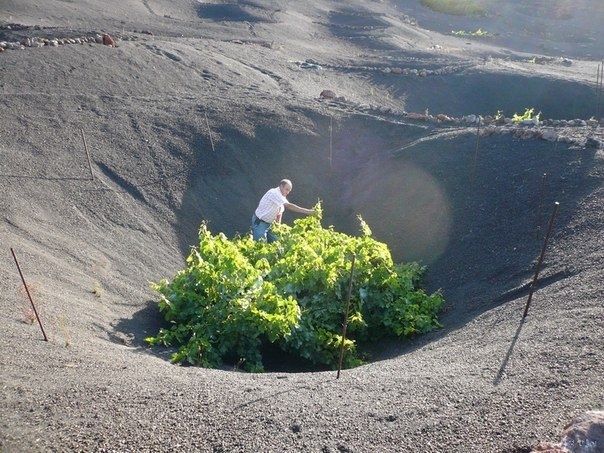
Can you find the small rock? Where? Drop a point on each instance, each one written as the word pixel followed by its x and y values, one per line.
pixel 327 94
pixel 591 142
pixel 307 65
pixel 108 40
pixel 417 116
pixel 550 135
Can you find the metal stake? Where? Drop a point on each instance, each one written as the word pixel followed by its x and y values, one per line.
pixel 28 294
pixel 331 142
pixel 345 324
pixel 549 230
pixel 209 132
pixel 543 178
pixel 599 82
pixel 87 155
pixel 475 153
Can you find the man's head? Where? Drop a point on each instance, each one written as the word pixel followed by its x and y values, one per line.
pixel 285 186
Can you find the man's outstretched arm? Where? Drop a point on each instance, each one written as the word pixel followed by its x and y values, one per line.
pixel 296 208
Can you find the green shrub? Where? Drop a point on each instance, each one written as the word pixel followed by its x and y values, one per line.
pixel 455 7
pixel 236 294
pixel 528 115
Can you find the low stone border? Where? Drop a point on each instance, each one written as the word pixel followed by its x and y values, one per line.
pixel 105 39
pixel 576 132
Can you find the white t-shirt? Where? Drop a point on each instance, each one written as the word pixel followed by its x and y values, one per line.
pixel 271 205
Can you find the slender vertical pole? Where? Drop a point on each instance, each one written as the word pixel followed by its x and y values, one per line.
pixel 331 143
pixel 537 269
pixel 87 155
pixel 601 88
pixel 28 294
pixel 209 131
pixel 475 153
pixel 598 92
pixel 540 205
pixel 345 324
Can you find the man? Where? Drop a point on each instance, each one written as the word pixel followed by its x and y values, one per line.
pixel 270 209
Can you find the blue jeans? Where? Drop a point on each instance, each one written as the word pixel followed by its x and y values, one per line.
pixel 261 229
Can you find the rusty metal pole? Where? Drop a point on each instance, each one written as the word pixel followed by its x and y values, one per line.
pixel 210 132
pixel 549 231
pixel 345 324
pixel 475 154
pixel 599 76
pixel 87 155
pixel 28 294
pixel 331 143
pixel 543 178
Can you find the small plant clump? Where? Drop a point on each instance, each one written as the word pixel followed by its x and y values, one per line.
pixel 527 116
pixel 455 7
pixel 236 295
pixel 97 290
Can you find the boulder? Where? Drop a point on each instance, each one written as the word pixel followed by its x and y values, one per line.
pixel 585 433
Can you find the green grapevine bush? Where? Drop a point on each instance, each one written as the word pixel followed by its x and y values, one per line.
pixel 236 294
